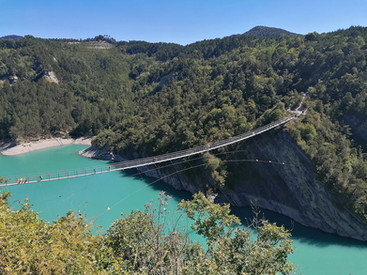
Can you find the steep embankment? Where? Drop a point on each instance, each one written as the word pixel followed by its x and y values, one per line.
pixel 291 189
pixel 358 127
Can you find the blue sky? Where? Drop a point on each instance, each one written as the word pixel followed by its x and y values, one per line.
pixel 182 22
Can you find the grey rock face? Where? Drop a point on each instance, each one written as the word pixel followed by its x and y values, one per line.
pixel 287 185
pixel 50 76
pixel 292 188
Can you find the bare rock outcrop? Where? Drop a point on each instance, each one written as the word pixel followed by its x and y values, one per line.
pixel 11 78
pixel 50 76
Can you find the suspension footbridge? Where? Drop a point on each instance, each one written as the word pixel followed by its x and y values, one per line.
pixel 129 164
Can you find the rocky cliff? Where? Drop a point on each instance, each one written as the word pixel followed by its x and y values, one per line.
pixel 287 185
pixel 292 188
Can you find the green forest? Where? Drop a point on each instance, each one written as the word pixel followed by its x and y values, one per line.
pixel 143 99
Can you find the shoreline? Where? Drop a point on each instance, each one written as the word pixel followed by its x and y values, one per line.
pixel 9 150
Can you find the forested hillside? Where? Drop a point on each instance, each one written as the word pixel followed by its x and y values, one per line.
pixel 92 91
pixel 144 98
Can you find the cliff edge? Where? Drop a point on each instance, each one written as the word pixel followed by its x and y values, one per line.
pixel 288 185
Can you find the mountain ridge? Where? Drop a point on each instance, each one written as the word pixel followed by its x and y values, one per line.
pixel 264 31
pixel 257 31
pixel 12 37
pixel 143 99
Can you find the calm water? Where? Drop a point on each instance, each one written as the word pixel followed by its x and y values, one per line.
pixel 316 252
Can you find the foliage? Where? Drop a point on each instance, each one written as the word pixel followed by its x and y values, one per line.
pixel 29 245
pixel 150 242
pixel 93 90
pixel 231 249
pixel 261 31
pixel 143 99
pixel 216 168
pixel 340 166
pixel 141 243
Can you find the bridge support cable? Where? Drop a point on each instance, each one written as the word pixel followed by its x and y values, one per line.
pixel 176 172
pixel 129 164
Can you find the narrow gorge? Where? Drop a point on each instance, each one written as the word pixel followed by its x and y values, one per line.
pixel 287 184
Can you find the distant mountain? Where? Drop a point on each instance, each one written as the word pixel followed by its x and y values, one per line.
pixel 12 37
pixel 261 31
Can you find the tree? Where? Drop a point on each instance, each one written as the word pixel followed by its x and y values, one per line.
pixel 230 248
pixel 29 245
pixel 148 243
pixel 143 242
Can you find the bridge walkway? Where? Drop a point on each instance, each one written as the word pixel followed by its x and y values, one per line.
pixel 129 164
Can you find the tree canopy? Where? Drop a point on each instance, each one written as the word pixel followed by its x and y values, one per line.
pixel 141 98
pixel 141 243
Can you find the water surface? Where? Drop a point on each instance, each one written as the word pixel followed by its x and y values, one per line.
pixel 103 197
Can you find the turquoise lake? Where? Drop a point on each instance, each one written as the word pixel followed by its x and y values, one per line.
pixel 103 197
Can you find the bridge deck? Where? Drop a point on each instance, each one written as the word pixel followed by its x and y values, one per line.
pixel 124 165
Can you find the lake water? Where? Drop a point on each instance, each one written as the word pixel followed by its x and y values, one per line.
pixel 103 197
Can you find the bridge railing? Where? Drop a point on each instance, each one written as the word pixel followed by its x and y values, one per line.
pixel 73 173
pixel 199 149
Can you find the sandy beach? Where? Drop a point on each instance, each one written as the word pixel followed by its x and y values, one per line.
pixel 42 144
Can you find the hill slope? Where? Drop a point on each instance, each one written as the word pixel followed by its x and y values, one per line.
pixel 12 37
pixel 144 98
pixel 261 31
